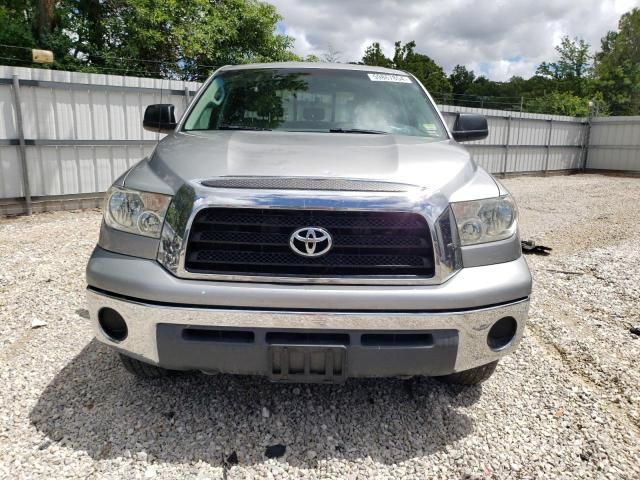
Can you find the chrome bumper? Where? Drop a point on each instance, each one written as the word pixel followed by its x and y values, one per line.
pixel 472 325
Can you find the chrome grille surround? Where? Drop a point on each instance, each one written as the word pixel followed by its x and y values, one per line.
pixel 192 197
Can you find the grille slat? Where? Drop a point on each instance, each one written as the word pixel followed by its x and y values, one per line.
pixel 256 242
pixel 385 220
pixel 274 239
pixel 337 260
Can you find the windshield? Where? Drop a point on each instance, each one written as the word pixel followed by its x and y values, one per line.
pixel 314 100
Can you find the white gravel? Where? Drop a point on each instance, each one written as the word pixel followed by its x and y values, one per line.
pixel 567 404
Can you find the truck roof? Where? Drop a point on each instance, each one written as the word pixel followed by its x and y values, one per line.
pixel 313 65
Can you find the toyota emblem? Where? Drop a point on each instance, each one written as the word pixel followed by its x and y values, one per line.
pixel 310 241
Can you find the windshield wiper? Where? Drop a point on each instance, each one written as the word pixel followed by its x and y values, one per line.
pixel 241 127
pixel 356 130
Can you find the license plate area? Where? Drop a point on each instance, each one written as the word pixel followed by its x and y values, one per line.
pixel 305 363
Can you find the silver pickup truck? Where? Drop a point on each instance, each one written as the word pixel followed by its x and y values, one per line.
pixel 310 223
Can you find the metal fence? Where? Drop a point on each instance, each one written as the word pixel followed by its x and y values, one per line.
pixel 614 144
pixel 526 142
pixel 66 135
pixel 74 133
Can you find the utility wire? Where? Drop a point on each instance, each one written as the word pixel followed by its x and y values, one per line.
pixel 473 95
pixel 105 70
pixel 124 59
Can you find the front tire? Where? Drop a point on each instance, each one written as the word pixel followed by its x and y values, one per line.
pixel 473 376
pixel 141 369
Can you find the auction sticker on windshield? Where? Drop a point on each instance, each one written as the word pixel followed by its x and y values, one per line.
pixel 385 77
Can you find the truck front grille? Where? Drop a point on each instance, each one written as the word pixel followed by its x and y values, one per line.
pixel 249 241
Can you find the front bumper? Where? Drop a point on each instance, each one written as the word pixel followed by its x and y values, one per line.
pixel 233 327
pixel 162 335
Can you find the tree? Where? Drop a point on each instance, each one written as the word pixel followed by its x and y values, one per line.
pixel 332 55
pixel 571 68
pixel 430 74
pixel 46 18
pixel 405 58
pixel 617 66
pixel 461 79
pixel 15 29
pixel 172 38
pixel 574 60
pixel 374 56
pixel 559 103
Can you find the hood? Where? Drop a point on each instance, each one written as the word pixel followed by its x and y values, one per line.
pixel 437 166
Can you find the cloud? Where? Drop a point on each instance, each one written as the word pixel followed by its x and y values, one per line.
pixel 498 38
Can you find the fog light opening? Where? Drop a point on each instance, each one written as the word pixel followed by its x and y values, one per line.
pixel 112 324
pixel 502 333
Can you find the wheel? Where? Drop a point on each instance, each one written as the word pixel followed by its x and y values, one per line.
pixel 472 376
pixel 141 369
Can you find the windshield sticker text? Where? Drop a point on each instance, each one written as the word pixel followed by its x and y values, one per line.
pixel 385 77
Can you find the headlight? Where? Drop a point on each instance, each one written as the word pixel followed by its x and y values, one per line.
pixel 489 220
pixel 136 212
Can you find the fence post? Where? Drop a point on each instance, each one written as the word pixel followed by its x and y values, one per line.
pixel 586 138
pixel 186 97
pixel 22 148
pixel 546 159
pixel 517 143
pixel 506 146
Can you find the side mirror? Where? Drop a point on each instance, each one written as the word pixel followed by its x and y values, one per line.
pixel 469 126
pixel 160 118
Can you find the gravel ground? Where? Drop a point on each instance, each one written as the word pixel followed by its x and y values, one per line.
pixel 567 404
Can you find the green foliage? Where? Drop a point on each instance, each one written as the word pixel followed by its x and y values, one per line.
pixel 572 67
pixel 573 63
pixel 374 56
pixel 461 79
pixel 20 26
pixel 564 86
pixel 423 67
pixel 557 88
pixel 15 25
pixel 171 38
pixel 406 58
pixel 558 103
pixel 617 66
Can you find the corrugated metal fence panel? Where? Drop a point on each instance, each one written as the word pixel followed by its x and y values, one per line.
pixel 64 170
pixel 10 175
pixel 507 113
pixel 517 142
pixel 7 112
pixel 57 114
pixel 72 106
pixel 614 144
pixel 568 133
pixel 490 158
pixel 526 159
pixel 565 158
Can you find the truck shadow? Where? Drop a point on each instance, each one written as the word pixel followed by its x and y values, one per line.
pixel 93 405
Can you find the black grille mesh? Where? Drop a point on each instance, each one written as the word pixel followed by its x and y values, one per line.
pixel 256 242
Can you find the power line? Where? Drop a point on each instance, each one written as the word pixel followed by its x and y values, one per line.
pixel 14 59
pixel 106 70
pixel 474 95
pixel 485 100
pixel 100 69
pixel 125 59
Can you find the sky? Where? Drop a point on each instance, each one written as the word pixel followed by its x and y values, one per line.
pixel 498 39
